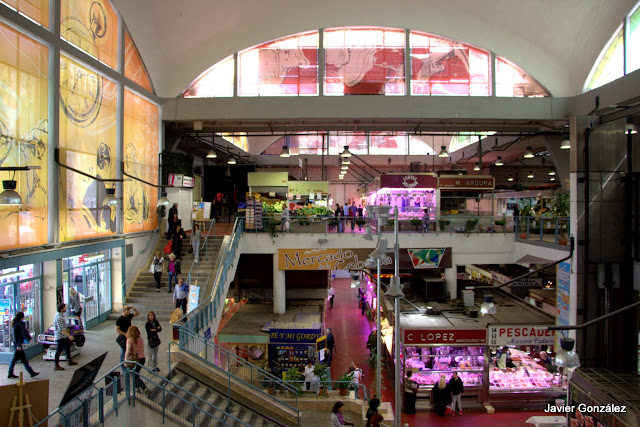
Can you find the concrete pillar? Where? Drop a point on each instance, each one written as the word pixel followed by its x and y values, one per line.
pixel 117 277
pixel 451 280
pixel 49 284
pixel 279 288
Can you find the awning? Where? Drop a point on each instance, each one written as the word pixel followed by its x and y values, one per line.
pixel 530 259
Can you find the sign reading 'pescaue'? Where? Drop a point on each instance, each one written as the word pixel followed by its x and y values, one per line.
pixel 520 335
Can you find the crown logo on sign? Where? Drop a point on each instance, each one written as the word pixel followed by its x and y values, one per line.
pixel 409 181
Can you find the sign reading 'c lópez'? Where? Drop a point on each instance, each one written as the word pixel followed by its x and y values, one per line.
pixel 324 259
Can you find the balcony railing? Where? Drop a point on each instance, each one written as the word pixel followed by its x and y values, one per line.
pixel 544 229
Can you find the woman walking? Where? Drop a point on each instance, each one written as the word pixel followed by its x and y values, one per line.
pixel 157 269
pixel 153 340
pixel 195 242
pixel 135 345
pixel 20 335
pixel 171 270
pixel 441 395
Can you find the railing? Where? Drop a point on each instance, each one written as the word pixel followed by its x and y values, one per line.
pixel 106 397
pixel 544 229
pixel 135 262
pixel 234 368
pixel 205 246
pixel 360 389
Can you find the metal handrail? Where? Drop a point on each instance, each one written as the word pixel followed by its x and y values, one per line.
pixel 333 385
pixel 206 254
pixel 95 408
pixel 135 262
pixel 561 228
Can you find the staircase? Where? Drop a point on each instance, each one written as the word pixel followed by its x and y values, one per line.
pixel 142 293
pixel 184 377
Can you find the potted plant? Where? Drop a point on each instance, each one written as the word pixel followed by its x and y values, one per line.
pixel 443 223
pixel 294 377
pixel 271 226
pixel 560 206
pixel 344 383
pixel 320 371
pixel 470 226
pixel 417 223
pixel 360 222
pixel 525 212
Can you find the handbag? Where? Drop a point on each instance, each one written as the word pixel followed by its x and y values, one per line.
pixel 152 269
pixel 131 356
pixel 154 341
pixel 113 377
pixel 121 340
pixel 169 248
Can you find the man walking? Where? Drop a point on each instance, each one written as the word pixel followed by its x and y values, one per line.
pixel 178 236
pixel 331 343
pixel 62 337
pixel 180 295
pixel 353 211
pixel 122 326
pixel 173 219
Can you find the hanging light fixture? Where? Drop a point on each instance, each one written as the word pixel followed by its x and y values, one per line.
pixel 211 154
pixel 340 176
pixel 530 175
pixel 566 144
pixel 567 357
pixel 443 151
pixel 630 127
pixel 394 290
pixel 510 178
pixel 529 153
pixel 499 161
pixel 355 279
pixel 231 161
pixel 552 172
pixel 110 200
pixel 163 201
pixel 10 196
pixel 345 152
pixel 476 167
pixel 285 151
pixel 345 161
pixel 344 167
pixel 553 178
pixel 488 307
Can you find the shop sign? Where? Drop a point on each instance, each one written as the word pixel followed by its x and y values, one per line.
pixel 446 336
pixel 267 179
pixel 207 333
pixel 194 295
pixel 175 180
pixel 294 336
pixel 307 187
pixel 408 181
pixel 529 282
pixel 563 282
pixel 187 181
pixel 458 182
pixel 324 259
pixel 520 335
pixel 499 277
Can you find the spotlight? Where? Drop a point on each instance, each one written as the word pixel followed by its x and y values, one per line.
pixel 567 357
pixel 231 161
pixel 380 252
pixel 566 144
pixel 394 291
pixel 163 201
pixel 499 161
pixel 552 172
pixel 443 151
pixel 631 127
pixel 211 154
pixel 530 175
pixel 368 234
pixel 476 167
pixel 345 161
pixel 488 307
pixel 345 152
pixel 510 179
pixel 110 200
pixel 529 153
pixel 285 151
pixel 10 196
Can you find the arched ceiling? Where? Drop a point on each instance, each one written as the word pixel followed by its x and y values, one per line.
pixel 556 42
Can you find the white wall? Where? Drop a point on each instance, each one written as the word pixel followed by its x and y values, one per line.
pixel 137 261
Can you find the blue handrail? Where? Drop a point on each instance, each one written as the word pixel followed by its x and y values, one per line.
pixel 555 230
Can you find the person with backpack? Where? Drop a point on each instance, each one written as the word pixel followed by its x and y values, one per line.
pixel 180 295
pixel 157 266
pixel 374 418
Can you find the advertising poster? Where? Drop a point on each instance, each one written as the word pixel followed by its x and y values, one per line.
pixel 141 137
pixel 24 137
pixel 134 68
pixel 562 293
pixel 194 296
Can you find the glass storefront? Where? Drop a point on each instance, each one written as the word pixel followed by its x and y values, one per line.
pixel 90 276
pixel 21 290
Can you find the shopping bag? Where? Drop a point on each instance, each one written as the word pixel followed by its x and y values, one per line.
pixel 111 377
pixel 169 248
pixel 448 410
pixel 151 269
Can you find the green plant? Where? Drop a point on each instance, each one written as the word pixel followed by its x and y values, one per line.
pixel 443 223
pixel 271 226
pixel 502 221
pixel 415 222
pixel 360 221
pixel 526 210
pixel 470 225
pixel 333 222
pixel 294 377
pixel 560 205
pixel 320 210
pixel 343 381
pixel 391 222
pixel 176 163
pixel 304 221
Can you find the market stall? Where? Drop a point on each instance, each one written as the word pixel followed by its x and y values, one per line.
pixel 413 194
pixel 463 194
pixel 292 344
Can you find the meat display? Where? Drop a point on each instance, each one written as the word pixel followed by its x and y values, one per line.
pixel 528 374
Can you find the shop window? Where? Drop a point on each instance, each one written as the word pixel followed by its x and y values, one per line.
pixel 445 67
pixel 134 68
pixel 36 10
pixel 91 27
pixel 284 67
pixel 216 82
pixel 633 40
pixel 389 143
pixel 364 61
pixel 511 80
pixel 610 63
pixel 24 136
pixel 20 293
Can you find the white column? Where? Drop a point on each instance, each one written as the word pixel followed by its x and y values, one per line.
pixel 49 284
pixel 279 288
pixel 451 280
pixel 117 258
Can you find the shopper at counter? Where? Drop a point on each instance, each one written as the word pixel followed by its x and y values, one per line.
pixel 546 362
pixel 457 388
pixel 410 393
pixel 309 376
pixel 441 396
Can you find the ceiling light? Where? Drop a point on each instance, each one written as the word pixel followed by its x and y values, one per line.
pixel 631 127
pixel 443 151
pixel 530 175
pixel 344 167
pixel 231 161
pixel 13 274
pixel 499 161
pixel 510 178
pixel 394 291
pixel 552 178
pixel 552 172
pixel 110 200
pixel 285 151
pixel 567 357
pixel 566 144
pixel 476 167
pixel 10 196
pixel 211 154
pixel 340 176
pixel 346 152
pixel 345 161
pixel 529 153
pixel 368 233
pixel 488 307
pixel 163 201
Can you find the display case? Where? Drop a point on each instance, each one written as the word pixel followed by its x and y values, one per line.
pixel 527 375
pixel 428 363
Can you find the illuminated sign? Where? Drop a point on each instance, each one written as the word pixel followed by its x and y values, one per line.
pixel 446 336
pixel 520 335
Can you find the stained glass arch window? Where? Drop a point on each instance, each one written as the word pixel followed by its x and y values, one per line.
pixel 610 63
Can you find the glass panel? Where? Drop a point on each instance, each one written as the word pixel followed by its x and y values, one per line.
pixel 511 80
pixel 421 145
pixel 91 278
pixel 610 63
pixel 7 311
pixel 391 143
pixel 142 138
pixel 633 40
pixel 299 144
pixel 36 10
pixel 357 142
pixel 216 82
pixel 88 143
pixel 20 293
pixel 134 68
pixel 104 292
pixel 29 303
pixel 287 66
pixel 445 67
pixel 24 137
pixel 364 61
pixel 91 27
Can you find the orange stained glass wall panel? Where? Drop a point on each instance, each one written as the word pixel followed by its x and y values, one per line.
pixel 91 26
pixel 141 140
pixel 134 68
pixel 88 143
pixel 38 10
pixel 23 136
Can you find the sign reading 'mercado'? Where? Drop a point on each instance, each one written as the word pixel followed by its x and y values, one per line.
pixel 324 259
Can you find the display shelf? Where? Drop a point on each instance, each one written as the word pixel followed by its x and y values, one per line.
pixel 527 376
